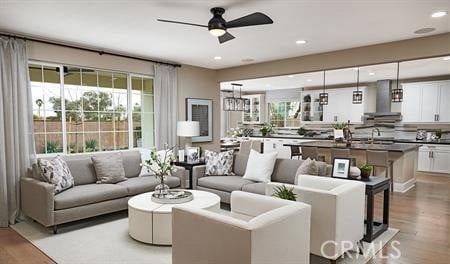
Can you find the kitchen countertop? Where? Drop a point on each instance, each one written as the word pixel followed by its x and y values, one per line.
pixel 412 141
pixel 396 147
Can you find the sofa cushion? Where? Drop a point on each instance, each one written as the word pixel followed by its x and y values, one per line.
pixel 240 164
pixel 82 169
pixel 88 194
pixel 260 166
pixel 143 184
pixel 259 188
pixel 223 183
pixel 285 170
pixel 109 168
pixel 219 163
pixel 56 172
pixel 131 163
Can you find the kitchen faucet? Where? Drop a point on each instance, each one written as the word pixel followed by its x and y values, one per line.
pixel 371 140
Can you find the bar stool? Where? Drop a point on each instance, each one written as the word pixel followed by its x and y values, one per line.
pixel 295 152
pixel 381 159
pixel 312 153
pixel 342 153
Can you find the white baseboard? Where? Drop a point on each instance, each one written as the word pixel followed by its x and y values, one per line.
pixel 405 186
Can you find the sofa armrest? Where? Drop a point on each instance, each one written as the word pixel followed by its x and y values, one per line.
pixel 197 173
pixel 180 172
pixel 200 236
pixel 37 199
pixel 252 205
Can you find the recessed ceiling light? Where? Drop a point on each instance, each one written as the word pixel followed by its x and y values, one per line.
pixel 424 30
pixel 309 80
pixel 439 14
pixel 301 41
pixel 291 76
pixel 217 57
pixel 446 58
pixel 371 73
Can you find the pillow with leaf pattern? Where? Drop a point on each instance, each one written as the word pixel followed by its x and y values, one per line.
pixel 56 172
pixel 219 163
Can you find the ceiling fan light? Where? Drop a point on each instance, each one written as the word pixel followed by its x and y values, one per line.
pixel 217 32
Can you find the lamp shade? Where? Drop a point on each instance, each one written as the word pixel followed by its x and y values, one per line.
pixel 188 129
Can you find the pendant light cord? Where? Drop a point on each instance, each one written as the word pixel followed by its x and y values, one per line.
pixel 324 81
pixel 398 73
pixel 357 81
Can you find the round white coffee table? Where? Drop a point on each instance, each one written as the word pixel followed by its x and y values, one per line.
pixel 151 222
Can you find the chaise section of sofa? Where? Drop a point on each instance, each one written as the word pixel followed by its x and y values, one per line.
pixel 87 198
pixel 284 172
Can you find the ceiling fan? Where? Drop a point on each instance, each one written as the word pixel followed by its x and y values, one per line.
pixel 218 26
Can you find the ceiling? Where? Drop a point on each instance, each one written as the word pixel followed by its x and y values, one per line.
pixel 130 26
pixel 408 70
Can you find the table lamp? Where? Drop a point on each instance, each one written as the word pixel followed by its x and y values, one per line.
pixel 188 129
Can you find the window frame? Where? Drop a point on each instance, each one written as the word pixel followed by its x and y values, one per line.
pixel 285 113
pixel 63 107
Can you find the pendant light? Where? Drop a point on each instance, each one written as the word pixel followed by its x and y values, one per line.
pixel 397 93
pixel 239 102
pixel 357 95
pixel 323 97
pixel 229 102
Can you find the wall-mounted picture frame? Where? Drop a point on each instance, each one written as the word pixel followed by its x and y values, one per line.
pixel 341 168
pixel 201 110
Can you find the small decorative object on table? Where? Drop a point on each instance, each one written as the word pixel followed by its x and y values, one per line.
pixel 161 165
pixel 173 197
pixel 266 129
pixel 366 170
pixel 339 131
pixel 355 172
pixel 284 193
pixel 193 154
pixel 235 132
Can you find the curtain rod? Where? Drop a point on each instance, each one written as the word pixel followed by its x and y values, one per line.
pixel 100 52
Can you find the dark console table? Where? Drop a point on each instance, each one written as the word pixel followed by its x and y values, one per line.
pixel 375 185
pixel 189 166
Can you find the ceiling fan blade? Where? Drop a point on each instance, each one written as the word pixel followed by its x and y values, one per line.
pixel 250 20
pixel 182 23
pixel 225 37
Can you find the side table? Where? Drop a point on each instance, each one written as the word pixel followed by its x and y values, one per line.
pixel 189 167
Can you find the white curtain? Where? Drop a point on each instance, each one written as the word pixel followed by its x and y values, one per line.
pixel 166 105
pixel 16 126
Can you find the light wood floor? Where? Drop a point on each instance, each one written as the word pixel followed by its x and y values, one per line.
pixel 422 215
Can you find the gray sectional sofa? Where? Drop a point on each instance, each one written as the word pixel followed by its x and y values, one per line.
pixel 87 198
pixel 284 172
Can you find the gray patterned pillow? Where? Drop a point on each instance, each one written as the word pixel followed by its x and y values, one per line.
pixel 56 172
pixel 219 163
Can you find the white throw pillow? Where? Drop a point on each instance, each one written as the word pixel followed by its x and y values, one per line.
pixel 260 166
pixel 145 155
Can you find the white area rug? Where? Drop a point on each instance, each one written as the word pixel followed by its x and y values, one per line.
pixel 105 239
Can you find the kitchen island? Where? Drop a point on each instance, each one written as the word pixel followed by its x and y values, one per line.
pixel 403 155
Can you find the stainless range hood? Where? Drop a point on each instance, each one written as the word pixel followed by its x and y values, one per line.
pixel 383 104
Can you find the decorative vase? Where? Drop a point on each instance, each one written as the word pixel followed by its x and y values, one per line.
pixel 338 133
pixel 162 189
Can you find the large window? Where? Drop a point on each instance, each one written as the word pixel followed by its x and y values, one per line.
pixel 86 110
pixel 284 114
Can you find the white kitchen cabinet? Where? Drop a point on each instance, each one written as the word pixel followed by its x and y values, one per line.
pixel 434 158
pixel 426 102
pixel 277 145
pixel 256 109
pixel 340 107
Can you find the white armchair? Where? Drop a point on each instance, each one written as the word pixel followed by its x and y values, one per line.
pixel 260 230
pixel 337 212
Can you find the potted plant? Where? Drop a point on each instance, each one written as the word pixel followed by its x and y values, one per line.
pixel 301 131
pixel 266 129
pixel 284 193
pixel 366 171
pixel 339 130
pixel 161 164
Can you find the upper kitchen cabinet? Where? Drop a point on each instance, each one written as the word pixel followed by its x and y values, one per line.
pixel 255 109
pixel 340 107
pixel 426 102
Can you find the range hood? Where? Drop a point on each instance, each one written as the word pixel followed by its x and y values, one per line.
pixel 383 104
